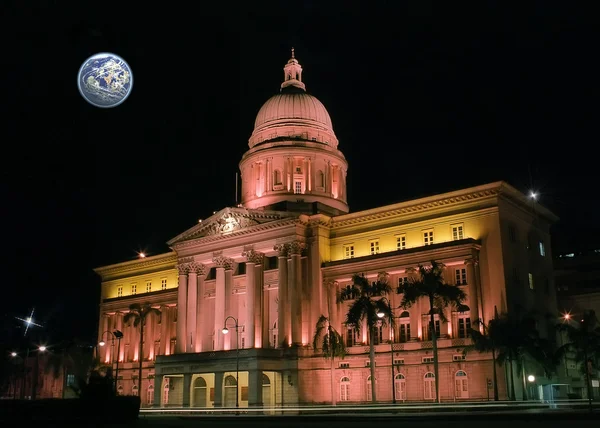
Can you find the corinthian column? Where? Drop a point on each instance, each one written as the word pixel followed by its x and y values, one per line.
pixel 192 306
pixel 253 294
pixel 295 249
pixel 184 269
pixel 221 263
pixel 283 310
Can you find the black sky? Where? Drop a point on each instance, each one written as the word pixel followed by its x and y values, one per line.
pixel 423 100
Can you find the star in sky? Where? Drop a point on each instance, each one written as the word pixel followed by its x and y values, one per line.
pixel 29 322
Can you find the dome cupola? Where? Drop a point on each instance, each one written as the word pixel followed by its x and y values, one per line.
pixel 293 156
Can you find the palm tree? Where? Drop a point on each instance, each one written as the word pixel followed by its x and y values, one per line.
pixel 584 343
pixel 332 346
pixel 510 339
pixel 138 314
pixel 440 295
pixel 366 304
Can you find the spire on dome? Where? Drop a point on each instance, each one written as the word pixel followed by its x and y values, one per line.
pixel 293 74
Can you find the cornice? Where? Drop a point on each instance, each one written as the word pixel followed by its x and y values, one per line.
pixel 138 266
pixel 441 201
pixel 417 206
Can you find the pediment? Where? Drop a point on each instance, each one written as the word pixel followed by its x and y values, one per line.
pixel 229 221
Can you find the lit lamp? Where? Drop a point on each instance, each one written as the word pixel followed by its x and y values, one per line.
pixel 237 357
pixel 381 314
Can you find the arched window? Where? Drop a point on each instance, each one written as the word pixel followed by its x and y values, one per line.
pixel 461 384
pixel 230 391
pixel 120 390
pixel 345 389
pixel 200 391
pixel 277 177
pixel 429 385
pixel 150 395
pixel 400 386
pixel 369 391
pixel 320 179
pixel 135 390
pixel 464 322
pixel 404 326
pixel 266 390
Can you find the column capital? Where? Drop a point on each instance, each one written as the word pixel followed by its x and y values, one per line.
pixel 296 247
pixel 472 261
pixel 253 256
pixel 223 262
pixel 330 283
pixel 197 268
pixel 183 268
pixel 282 249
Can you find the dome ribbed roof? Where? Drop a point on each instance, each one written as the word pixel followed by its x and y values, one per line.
pixel 290 106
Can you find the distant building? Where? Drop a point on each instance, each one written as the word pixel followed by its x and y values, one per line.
pixel 276 262
pixel 577 279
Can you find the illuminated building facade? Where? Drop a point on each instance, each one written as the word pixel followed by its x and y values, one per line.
pixel 276 262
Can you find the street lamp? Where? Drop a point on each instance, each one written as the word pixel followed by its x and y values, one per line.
pixel 237 357
pixel 381 314
pixel 117 334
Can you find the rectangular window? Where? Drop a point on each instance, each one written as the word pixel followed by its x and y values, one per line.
pixel 427 237
pixel 352 338
pixel 427 333
pixel 460 275
pixel 404 332
pixel 459 357
pixel 148 286
pixel 457 232
pixel 133 288
pixel 530 276
pixel 399 361
pixel 427 360
pixel 344 365
pixel 163 284
pixel 542 249
pixel 297 187
pixel 348 251
pixel 120 291
pixel 401 242
pixel 368 363
pixel 243 343
pixel 378 335
pixel 374 247
pixel 464 327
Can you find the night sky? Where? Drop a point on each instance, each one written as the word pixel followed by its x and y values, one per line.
pixel 423 100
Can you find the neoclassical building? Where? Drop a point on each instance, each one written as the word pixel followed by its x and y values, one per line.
pixel 270 267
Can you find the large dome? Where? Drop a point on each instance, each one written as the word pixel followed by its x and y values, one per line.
pixel 293 115
pixel 293 107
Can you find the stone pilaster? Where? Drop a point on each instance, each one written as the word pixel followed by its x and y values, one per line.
pixel 296 295
pixel 472 291
pixel 222 263
pixel 184 269
pixel 283 312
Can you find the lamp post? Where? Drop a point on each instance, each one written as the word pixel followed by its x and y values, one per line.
pixel 40 349
pixel 381 314
pixel 117 334
pixel 237 357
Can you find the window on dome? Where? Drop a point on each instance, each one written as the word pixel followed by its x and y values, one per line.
pixel 277 177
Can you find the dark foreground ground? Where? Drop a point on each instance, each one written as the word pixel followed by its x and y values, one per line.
pixel 529 419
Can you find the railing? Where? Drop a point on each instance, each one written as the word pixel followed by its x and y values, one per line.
pixel 409 346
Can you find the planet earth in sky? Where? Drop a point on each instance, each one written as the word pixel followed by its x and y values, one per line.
pixel 105 80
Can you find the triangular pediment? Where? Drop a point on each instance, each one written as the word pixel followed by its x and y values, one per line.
pixel 229 221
